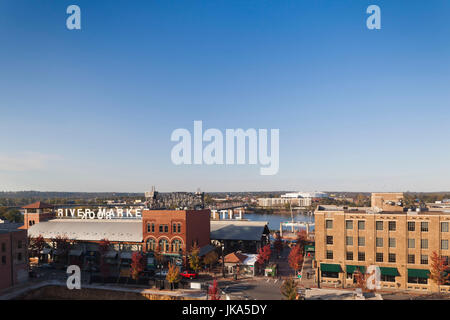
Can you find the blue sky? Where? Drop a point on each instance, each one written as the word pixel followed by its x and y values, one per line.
pixel 93 109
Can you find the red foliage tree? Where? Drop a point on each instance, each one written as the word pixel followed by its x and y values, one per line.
pixel 302 240
pixel 439 272
pixel 295 258
pixel 213 291
pixel 264 254
pixel 137 265
pixel 36 245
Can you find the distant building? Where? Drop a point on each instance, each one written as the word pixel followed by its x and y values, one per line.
pixel 13 255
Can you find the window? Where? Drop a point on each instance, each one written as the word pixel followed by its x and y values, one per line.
pixel 174 228
pixel 424 243
pixel 379 242
pixel 19 244
pixel 179 228
pixel 3 247
pixel 3 259
pixel 387 278
pixel 444 244
pixel 392 257
pixel 163 245
pixel 19 256
pixel 329 224
pixel 411 258
pixel 161 228
pixel 329 254
pixel 361 256
pixel 151 244
pixel 361 225
pixel 411 226
pixel 166 228
pixel 379 225
pixel 329 239
pixel 411 243
pixel 444 227
pixel 392 242
pixel 424 259
pixel 153 227
pixel 379 257
pixel 150 227
pixel 361 241
pixel 349 255
pixel 424 226
pixel 176 245
pixel 349 241
pixel 392 226
pixel 417 280
pixel 349 224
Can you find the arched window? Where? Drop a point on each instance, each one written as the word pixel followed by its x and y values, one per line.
pixel 163 245
pixel 176 245
pixel 151 244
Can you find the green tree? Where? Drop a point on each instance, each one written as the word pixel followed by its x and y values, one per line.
pixel 173 275
pixel 289 289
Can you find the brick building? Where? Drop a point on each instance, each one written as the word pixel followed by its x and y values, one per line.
pixel 399 242
pixel 13 255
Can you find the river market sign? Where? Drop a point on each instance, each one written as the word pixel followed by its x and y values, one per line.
pixel 99 214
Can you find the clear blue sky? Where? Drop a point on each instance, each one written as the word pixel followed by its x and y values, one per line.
pixel 93 110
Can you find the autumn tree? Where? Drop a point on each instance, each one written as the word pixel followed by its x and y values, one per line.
pixel 289 289
pixel 194 258
pixel 62 245
pixel 173 275
pixel 213 291
pixel 210 258
pixel 295 258
pixel 36 245
pixel 438 270
pixel 263 255
pixel 137 265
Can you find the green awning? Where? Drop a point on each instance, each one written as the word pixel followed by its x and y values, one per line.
pixel 385 271
pixel 352 269
pixel 330 267
pixel 310 248
pixel 418 273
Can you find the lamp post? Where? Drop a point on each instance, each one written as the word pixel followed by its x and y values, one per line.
pixel 223 259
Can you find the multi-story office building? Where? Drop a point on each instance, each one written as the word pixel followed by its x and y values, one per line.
pixel 400 242
pixel 13 255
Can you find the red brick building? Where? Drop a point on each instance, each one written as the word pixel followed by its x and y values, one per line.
pixel 13 255
pixel 174 232
pixel 37 212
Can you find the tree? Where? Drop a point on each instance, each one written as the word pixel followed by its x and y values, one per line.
pixel 36 245
pixel 103 248
pixel 137 265
pixel 194 258
pixel 278 244
pixel 295 258
pixel 210 258
pixel 62 245
pixel 213 291
pixel 173 275
pixel 289 289
pixel 264 255
pixel 360 280
pixel 438 270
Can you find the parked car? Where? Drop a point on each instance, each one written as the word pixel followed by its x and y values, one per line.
pixel 189 274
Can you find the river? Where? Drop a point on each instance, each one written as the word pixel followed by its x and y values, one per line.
pixel 275 219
